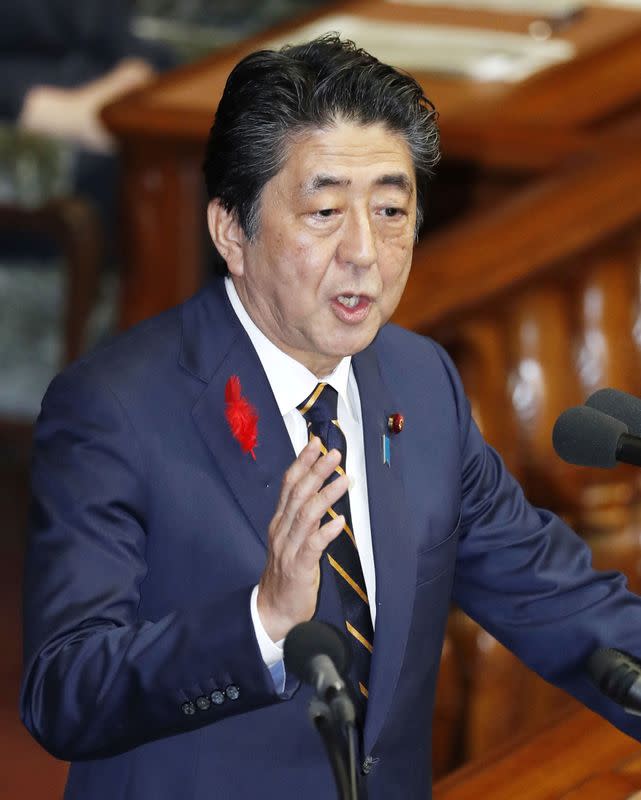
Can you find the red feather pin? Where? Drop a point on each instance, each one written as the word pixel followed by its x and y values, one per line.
pixel 241 416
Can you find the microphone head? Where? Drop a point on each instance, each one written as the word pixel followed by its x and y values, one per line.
pixel 314 638
pixel 587 437
pixel 620 405
pixel 614 672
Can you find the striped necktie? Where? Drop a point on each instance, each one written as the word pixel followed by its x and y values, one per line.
pixel 320 412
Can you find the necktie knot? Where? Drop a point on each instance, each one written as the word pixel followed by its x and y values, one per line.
pixel 321 406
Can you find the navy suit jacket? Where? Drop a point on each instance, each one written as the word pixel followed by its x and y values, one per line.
pixel 149 532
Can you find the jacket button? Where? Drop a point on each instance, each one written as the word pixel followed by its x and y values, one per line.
pixel 368 764
pixel 203 703
pixel 188 708
pixel 233 692
pixel 217 697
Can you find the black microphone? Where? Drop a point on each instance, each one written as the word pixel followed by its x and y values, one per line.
pixel 318 654
pixel 618 676
pixel 589 438
pixel 620 405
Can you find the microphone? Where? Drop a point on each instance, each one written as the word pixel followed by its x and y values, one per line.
pixel 618 676
pixel 317 654
pixel 620 405
pixel 589 438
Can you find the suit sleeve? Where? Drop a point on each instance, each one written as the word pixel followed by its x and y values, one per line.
pixel 99 678
pixel 527 578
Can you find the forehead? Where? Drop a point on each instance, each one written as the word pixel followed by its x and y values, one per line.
pixel 346 154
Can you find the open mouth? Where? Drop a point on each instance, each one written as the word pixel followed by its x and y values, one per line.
pixel 352 308
pixel 349 300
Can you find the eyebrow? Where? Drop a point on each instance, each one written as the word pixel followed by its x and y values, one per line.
pixel 397 179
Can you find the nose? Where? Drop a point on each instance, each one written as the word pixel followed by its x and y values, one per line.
pixel 357 246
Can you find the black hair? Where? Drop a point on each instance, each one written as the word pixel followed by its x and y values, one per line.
pixel 272 95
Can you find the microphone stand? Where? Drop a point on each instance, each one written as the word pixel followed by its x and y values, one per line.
pixel 351 759
pixel 344 768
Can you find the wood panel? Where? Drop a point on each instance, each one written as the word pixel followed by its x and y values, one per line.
pixel 163 230
pixel 581 757
pixel 538 301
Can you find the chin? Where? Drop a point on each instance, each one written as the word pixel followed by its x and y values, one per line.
pixel 355 346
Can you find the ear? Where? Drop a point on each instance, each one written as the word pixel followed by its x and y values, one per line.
pixel 228 236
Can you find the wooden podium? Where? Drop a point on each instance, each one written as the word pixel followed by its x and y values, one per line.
pixel 581 757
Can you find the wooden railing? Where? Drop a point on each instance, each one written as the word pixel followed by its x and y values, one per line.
pixel 539 302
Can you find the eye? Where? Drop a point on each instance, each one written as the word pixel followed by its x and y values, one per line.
pixel 324 218
pixel 392 212
pixel 323 215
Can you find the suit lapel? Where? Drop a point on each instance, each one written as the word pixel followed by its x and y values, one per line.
pixel 254 484
pixel 393 543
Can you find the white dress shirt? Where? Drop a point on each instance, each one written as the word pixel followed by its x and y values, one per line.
pixel 291 383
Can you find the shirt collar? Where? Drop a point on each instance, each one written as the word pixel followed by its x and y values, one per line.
pixel 290 381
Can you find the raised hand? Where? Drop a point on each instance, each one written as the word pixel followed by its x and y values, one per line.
pixel 288 588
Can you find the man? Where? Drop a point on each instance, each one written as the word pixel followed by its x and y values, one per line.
pixel 172 551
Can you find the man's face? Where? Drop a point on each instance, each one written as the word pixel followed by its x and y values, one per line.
pixel 333 251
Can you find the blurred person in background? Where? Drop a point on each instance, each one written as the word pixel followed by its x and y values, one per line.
pixel 61 63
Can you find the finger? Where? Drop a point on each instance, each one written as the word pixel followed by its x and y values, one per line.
pixel 299 467
pixel 306 479
pixel 333 491
pixel 316 543
pixel 304 492
pixel 308 517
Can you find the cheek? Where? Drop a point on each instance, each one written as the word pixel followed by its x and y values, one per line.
pixel 310 264
pixel 396 261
